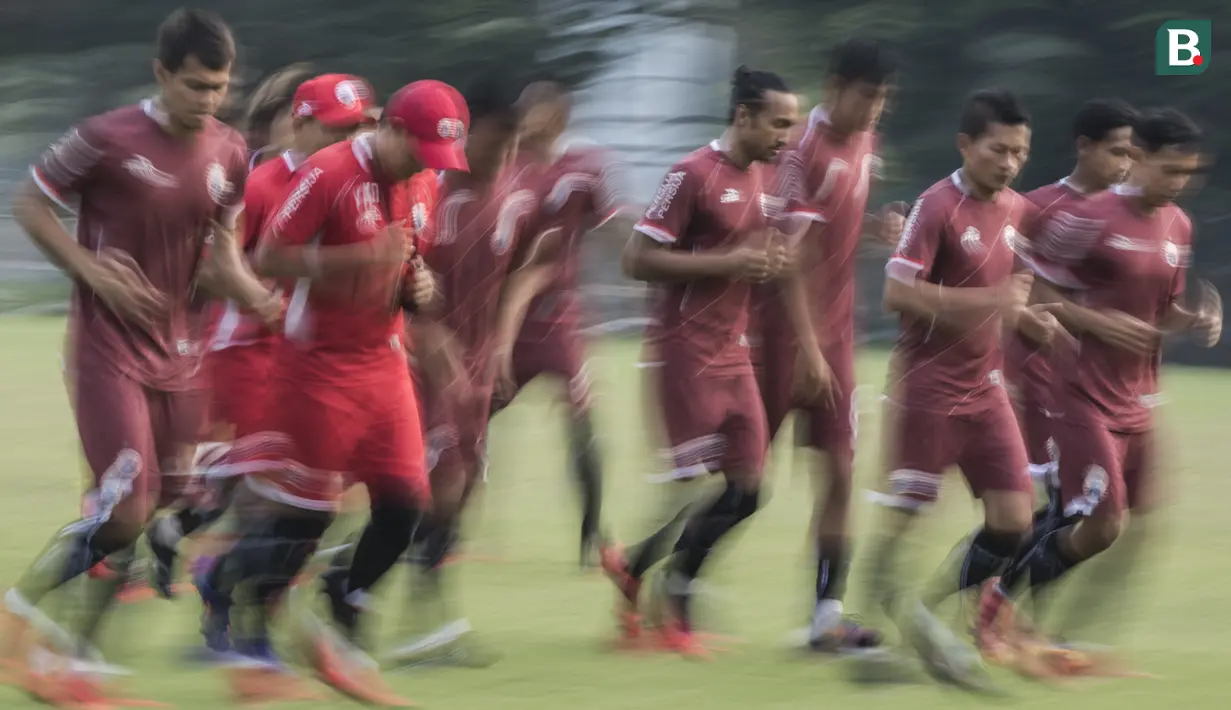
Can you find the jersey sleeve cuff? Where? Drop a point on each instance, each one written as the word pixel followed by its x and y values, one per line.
pixel 656 233
pixel 51 193
pixel 900 268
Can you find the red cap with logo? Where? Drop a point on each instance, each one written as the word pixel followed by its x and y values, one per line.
pixel 436 115
pixel 338 100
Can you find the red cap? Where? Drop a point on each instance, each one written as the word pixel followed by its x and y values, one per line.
pixel 436 114
pixel 339 100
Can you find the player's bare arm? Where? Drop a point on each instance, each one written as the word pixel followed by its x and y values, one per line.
pixel 645 259
pixel 275 260
pixel 956 306
pixel 226 274
pixel 533 276
pixel 118 281
pixel 1204 321
pixel 813 377
pixel 1111 326
pixel 438 352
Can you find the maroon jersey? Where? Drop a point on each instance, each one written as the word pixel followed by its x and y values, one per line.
pixel 956 241
pixel 478 237
pixel 137 189
pixel 339 330
pixel 230 326
pixel 823 181
pixel 1027 366
pixel 581 190
pixel 705 202
pixel 1112 256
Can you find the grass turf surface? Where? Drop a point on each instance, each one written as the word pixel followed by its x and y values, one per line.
pixel 552 622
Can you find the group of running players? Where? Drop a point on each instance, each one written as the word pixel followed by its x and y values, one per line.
pixel 256 332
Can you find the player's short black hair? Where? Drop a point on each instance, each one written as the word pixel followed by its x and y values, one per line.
pixel 491 100
pixel 1099 117
pixel 986 107
pixel 195 33
pixel 273 96
pixel 1167 128
pixel 863 59
pixel 748 87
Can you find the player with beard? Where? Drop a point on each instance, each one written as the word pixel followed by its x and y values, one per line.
pixel 951 279
pixel 583 188
pixel 156 187
pixel 490 259
pixel 1103 131
pixel 702 243
pixel 1114 269
pixel 807 324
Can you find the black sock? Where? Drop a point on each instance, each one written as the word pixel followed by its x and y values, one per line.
pixel 651 551
pixel 194 519
pixel 989 554
pixel 833 565
pixel 1042 563
pixel 589 474
pixel 295 540
pixel 708 526
pixel 385 538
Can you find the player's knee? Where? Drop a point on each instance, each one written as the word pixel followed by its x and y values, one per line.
pixel 1103 528
pixel 836 483
pixel 1010 512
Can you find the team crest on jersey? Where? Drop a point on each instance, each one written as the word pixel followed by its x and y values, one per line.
pixel 1171 253
pixel 972 241
pixel 1010 237
pixel 217 184
pixel 418 217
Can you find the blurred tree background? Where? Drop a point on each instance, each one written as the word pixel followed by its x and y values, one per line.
pixel 64 59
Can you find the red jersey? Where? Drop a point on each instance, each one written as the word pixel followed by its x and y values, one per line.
pixel 479 236
pixel 823 182
pixel 956 241
pixel 1027 366
pixel 582 189
pixel 705 202
pixel 138 189
pixel 339 332
pixel 267 184
pixel 1112 256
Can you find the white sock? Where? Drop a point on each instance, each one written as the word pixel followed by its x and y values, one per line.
pixel 826 617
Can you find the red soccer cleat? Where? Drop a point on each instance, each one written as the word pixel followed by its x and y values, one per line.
pixel 677 637
pixel 614 564
pixel 994 623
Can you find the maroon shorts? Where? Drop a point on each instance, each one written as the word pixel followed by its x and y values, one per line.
pixel 321 438
pixel 137 442
pixel 712 422
pixel 456 431
pixel 827 428
pixel 985 445
pixel 1041 449
pixel 559 353
pixel 1102 467
pixel 239 377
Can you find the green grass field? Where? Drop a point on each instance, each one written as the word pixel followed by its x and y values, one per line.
pixel 551 621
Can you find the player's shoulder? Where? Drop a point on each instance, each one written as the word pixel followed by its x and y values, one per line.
pixel 1181 219
pixel 109 127
pixel 943 194
pixel 271 173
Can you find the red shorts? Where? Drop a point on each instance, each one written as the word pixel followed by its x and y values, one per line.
pixel 137 442
pixel 827 428
pixel 986 446
pixel 321 438
pixel 712 422
pixel 240 379
pixel 1101 467
pixel 560 353
pixel 457 419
